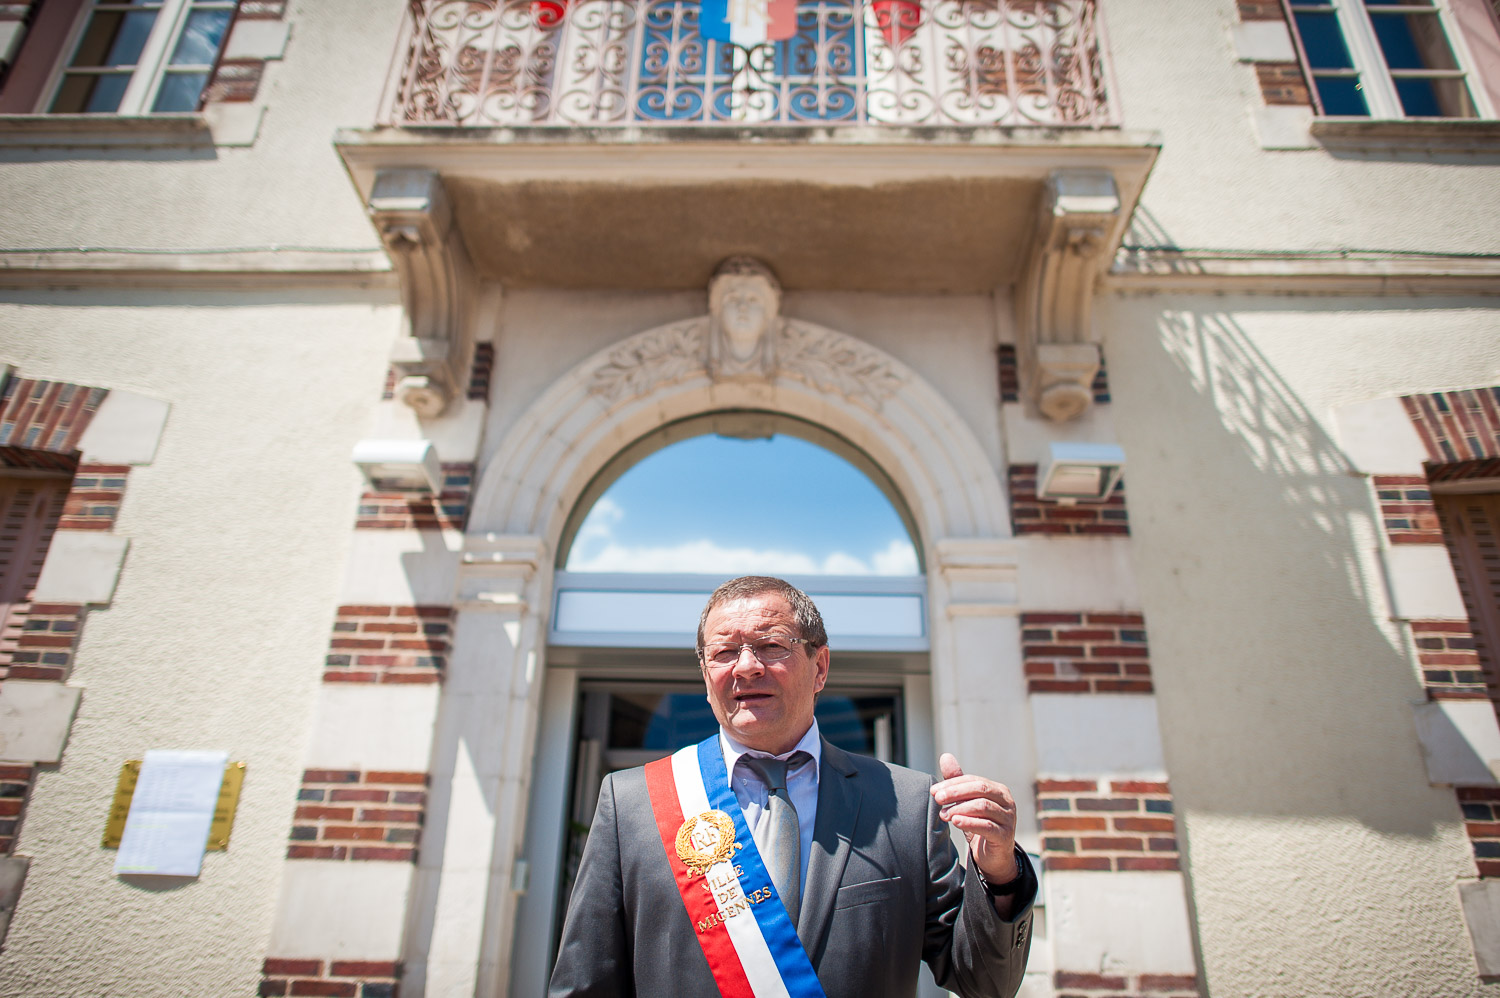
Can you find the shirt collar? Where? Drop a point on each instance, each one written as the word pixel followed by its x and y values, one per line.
pixel 810 742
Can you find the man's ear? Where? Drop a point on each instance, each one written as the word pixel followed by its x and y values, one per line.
pixel 820 663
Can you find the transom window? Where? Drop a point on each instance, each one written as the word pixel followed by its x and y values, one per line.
pixel 740 495
pixel 144 57
pixel 1385 59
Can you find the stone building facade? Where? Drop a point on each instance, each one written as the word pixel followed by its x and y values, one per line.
pixel 1238 262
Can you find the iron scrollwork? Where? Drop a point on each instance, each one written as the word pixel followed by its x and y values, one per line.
pixel 489 63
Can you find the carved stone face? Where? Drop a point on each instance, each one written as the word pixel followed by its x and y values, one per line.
pixel 743 314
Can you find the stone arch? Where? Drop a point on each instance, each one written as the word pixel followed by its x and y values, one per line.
pixel 624 391
pixel 492 702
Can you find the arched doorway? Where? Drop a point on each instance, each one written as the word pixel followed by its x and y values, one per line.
pixel 674 514
pixel 508 665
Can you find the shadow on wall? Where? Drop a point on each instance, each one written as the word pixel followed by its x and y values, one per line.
pixel 1281 693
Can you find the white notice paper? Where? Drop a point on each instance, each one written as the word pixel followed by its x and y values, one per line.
pixel 170 813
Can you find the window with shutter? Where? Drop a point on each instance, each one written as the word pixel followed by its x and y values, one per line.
pixel 30 506
pixel 1471 528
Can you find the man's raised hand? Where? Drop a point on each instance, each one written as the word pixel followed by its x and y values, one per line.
pixel 985 812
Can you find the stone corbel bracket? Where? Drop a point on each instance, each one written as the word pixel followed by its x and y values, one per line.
pixel 411 211
pixel 1056 349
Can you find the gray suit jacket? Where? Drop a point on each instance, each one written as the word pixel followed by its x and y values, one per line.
pixel 884 891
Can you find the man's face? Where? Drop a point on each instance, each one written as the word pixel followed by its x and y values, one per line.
pixel 765 706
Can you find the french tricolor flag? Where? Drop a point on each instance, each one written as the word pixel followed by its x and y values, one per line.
pixel 748 22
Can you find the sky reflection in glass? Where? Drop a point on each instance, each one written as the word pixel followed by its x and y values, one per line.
pixel 725 506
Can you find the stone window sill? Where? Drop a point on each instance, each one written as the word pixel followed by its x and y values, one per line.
pixel 216 125
pixel 1417 134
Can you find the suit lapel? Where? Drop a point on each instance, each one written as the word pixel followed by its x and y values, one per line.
pixel 833 830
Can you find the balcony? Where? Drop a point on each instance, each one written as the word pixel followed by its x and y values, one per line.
pixel 614 63
pixel 889 146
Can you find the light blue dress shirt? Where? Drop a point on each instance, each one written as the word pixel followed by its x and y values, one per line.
pixel 801 786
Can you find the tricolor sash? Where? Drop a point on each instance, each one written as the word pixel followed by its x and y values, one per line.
pixel 750 943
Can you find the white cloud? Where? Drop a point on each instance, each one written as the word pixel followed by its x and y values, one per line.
pixel 706 556
pixel 898 558
pixel 596 549
pixel 597 528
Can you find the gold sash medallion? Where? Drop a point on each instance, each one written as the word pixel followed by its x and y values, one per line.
pixel 706 839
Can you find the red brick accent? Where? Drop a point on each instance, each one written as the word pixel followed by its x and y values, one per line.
pixel 1091 984
pixel 1085 653
pixel 46 415
pixel 1121 825
pixel 95 497
pixel 338 978
pixel 1010 383
pixel 1450 665
pixel 16 779
pixel 406 511
pixel 348 814
pixel 1282 83
pixel 235 81
pixel 1457 426
pixel 1458 471
pixel 388 644
pixel 479 374
pixel 1261 10
pixel 238 80
pixel 1481 811
pixel 37 640
pixel 1032 515
pixel 262 10
pixel 1407 510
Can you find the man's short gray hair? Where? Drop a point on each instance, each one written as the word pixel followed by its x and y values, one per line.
pixel 804 611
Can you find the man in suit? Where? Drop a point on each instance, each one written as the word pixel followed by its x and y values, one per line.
pixel 857 850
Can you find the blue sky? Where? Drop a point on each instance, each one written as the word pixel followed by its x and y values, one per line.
pixel 720 505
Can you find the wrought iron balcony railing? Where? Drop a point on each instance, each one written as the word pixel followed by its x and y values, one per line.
pixel 488 63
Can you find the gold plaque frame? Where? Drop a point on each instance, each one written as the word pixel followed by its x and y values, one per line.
pixel 218 832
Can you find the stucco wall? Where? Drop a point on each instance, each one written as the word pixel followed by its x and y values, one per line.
pixel 1215 187
pixel 1174 64
pixel 1320 860
pixel 216 635
pixel 288 189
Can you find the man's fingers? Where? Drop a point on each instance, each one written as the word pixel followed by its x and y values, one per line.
pixel 979 810
pixel 969 788
pixel 948 766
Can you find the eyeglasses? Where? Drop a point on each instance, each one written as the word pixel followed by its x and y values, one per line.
pixel 769 649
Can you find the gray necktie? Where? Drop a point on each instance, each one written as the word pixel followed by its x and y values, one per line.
pixel 783 840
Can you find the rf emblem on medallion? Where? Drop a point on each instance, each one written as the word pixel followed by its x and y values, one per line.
pixel 706 839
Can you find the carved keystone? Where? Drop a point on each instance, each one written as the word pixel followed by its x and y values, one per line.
pixel 410 209
pixel 1056 348
pixel 744 307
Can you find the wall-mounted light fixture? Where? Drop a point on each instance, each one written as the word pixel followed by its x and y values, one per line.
pixel 400 465
pixel 1080 472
